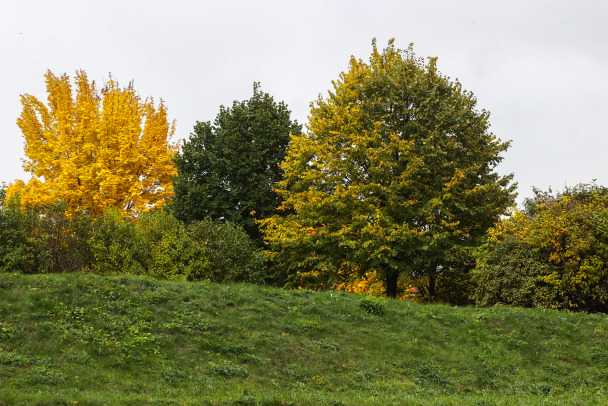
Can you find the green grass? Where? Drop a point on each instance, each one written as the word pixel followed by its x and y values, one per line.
pixel 92 340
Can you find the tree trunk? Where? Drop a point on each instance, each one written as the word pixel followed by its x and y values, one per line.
pixel 432 287
pixel 391 284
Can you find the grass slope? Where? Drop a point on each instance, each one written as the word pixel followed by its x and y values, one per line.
pixel 92 340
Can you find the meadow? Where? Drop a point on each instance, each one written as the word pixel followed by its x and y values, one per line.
pixel 84 339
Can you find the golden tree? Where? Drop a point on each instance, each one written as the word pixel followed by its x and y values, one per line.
pixel 91 149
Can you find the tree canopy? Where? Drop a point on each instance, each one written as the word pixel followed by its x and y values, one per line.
pixel 227 169
pixel 395 175
pixel 93 150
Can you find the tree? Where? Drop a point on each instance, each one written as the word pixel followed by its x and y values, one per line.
pixel 227 170
pixel 92 150
pixel 395 175
pixel 554 253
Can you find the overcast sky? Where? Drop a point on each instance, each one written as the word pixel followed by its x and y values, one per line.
pixel 539 67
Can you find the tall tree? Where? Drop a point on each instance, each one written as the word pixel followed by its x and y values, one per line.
pixel 227 170
pixel 395 175
pixel 94 150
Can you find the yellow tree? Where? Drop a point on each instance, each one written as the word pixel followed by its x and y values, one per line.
pixel 91 149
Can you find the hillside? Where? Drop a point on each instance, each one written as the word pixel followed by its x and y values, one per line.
pixel 92 340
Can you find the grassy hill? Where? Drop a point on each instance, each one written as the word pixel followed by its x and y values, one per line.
pixel 81 339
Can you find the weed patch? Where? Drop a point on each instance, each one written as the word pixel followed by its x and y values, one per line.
pixel 373 305
pixel 226 369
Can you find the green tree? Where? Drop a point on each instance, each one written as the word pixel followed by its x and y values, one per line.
pixel 226 171
pixel 395 175
pixel 554 253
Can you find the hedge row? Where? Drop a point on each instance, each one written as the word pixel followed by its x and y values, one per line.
pixel 45 240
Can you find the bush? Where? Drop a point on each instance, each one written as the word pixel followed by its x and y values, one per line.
pixel 117 245
pixel 373 305
pixel 509 272
pixel 172 253
pixel 232 254
pixel 554 253
pixel 45 239
pixel 66 239
pixel 22 247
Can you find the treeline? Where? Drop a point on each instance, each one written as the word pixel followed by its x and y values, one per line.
pixel 391 190
pixel 552 253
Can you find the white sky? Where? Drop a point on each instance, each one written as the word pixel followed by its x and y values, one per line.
pixel 539 67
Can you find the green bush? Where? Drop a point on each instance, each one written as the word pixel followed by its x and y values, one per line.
pixel 233 256
pixel 22 246
pixel 172 253
pixel 509 272
pixel 66 239
pixel 117 245
pixel 373 305
pixel 45 239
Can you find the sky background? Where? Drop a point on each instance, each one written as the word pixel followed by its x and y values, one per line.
pixel 539 67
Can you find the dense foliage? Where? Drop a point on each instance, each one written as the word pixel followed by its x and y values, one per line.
pixel 46 240
pixel 20 240
pixel 92 150
pixel 554 253
pixel 226 171
pixel 395 176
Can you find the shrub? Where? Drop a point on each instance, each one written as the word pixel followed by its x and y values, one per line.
pixel 232 254
pixel 509 272
pixel 554 253
pixel 66 239
pixel 172 253
pixel 117 245
pixel 22 246
pixel 373 305
pixel 45 239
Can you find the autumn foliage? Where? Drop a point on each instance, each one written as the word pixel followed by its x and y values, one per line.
pixel 92 150
pixel 394 177
pixel 392 189
pixel 554 253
